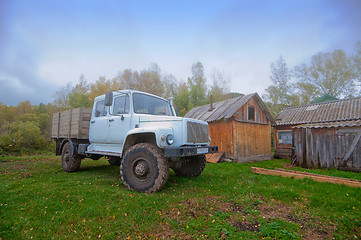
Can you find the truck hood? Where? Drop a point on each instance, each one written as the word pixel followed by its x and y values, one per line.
pixel 155 118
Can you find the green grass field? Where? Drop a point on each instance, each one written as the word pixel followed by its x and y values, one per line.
pixel 40 201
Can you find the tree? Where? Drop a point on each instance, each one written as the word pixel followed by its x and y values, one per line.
pixel 281 93
pixel 181 100
pixel 25 107
pixel 328 73
pixel 171 87
pixel 101 86
pixel 220 88
pixel 356 59
pixel 151 81
pixel 61 97
pixel 78 97
pixel 197 85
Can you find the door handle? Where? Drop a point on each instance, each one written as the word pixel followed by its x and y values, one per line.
pixel 92 122
pixel 111 120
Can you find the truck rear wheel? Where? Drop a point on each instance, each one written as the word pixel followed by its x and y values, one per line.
pixel 144 168
pixel 70 161
pixel 191 166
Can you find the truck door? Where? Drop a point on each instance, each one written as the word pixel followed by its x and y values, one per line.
pixel 119 120
pixel 98 132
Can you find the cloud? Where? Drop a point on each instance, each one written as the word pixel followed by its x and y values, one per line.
pixel 19 78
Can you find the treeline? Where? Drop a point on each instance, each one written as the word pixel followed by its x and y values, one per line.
pixel 194 92
pixel 333 73
pixel 25 128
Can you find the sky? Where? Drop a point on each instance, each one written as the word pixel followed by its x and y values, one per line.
pixel 46 44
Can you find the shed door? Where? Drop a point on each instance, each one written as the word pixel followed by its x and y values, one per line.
pixel 349 148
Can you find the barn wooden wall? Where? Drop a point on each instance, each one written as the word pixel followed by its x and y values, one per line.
pixel 327 147
pixel 221 133
pixel 241 140
pixel 252 140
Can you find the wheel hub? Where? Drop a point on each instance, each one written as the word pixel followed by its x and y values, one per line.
pixel 141 169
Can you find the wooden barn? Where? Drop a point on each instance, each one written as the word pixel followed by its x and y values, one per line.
pixel 240 127
pixel 324 135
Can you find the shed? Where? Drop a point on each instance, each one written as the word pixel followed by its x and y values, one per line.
pixel 324 135
pixel 240 127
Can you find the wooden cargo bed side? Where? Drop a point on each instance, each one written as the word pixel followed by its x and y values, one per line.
pixel 73 123
pixel 55 120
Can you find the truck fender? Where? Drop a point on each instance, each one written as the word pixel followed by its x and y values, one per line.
pixel 71 146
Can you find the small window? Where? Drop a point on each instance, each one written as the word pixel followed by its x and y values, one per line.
pixel 100 110
pixel 251 114
pixel 285 137
pixel 121 105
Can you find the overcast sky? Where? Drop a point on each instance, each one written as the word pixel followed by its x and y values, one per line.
pixel 46 44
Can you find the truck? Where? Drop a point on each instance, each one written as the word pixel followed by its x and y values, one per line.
pixel 138 131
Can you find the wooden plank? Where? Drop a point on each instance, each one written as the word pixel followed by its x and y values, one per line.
pixel 214 157
pixel 221 133
pixel 351 149
pixel 300 175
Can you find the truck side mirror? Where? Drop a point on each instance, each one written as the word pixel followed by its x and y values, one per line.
pixel 108 99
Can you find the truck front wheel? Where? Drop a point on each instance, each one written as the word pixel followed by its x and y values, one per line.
pixel 144 168
pixel 71 162
pixel 191 166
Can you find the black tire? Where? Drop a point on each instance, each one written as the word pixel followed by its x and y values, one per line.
pixel 114 161
pixel 191 166
pixel 144 168
pixel 70 164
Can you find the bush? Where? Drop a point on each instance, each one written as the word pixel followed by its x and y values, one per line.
pixel 19 136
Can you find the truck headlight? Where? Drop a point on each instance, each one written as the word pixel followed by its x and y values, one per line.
pixel 170 139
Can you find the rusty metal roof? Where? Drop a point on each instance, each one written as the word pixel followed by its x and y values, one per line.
pixel 225 109
pixel 335 111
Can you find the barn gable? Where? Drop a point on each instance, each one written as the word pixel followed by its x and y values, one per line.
pixel 227 109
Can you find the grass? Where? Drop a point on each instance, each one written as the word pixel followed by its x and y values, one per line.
pixel 40 201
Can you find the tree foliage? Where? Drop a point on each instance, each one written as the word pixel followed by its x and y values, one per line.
pixel 220 88
pixel 328 73
pixel 281 93
pixel 25 128
pixel 197 85
pixel 356 61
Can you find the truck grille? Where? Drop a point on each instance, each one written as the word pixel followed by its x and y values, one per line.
pixel 197 132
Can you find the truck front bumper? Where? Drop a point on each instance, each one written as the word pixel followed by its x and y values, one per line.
pixel 189 151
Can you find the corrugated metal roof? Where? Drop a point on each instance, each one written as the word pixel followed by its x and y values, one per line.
pixel 354 123
pixel 335 111
pixel 225 109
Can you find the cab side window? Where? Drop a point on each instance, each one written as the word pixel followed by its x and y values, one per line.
pixel 121 105
pixel 100 110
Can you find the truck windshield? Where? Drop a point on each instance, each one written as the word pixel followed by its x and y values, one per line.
pixel 145 104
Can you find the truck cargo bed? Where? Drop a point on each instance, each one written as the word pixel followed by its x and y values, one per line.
pixel 73 123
